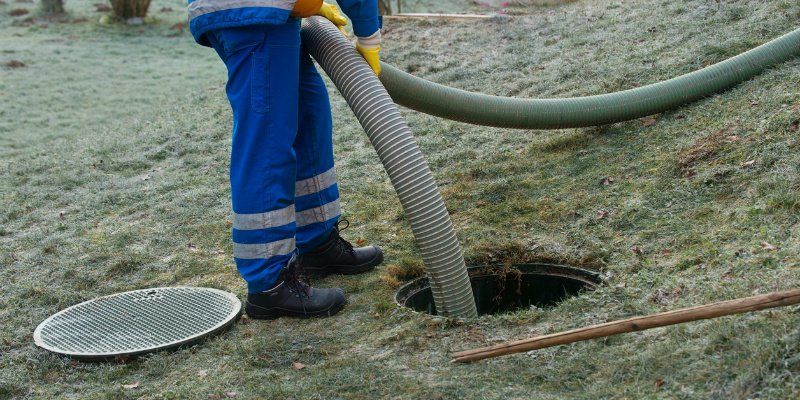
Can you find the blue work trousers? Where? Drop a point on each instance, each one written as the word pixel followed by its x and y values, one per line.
pixel 283 183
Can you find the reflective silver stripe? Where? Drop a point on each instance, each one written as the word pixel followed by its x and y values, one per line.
pixel 315 183
pixel 200 7
pixel 318 214
pixel 269 219
pixel 264 250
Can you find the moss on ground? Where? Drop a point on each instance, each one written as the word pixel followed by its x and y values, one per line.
pixel 114 177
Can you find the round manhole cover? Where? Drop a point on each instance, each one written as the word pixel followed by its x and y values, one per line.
pixel 137 322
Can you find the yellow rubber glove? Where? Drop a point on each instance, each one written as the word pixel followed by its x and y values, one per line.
pixel 306 8
pixel 332 13
pixel 370 48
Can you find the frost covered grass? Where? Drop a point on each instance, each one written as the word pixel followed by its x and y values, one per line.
pixel 114 144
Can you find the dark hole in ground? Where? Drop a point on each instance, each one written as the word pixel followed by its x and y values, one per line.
pixel 503 289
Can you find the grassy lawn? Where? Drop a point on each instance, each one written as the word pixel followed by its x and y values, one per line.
pixel 114 145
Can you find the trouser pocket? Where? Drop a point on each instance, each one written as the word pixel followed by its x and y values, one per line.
pixel 259 81
pixel 239 38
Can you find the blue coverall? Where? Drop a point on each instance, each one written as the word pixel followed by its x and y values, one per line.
pixel 283 182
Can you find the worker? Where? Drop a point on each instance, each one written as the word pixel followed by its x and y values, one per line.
pixel 284 191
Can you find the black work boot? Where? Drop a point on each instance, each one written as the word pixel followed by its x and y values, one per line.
pixel 338 256
pixel 294 298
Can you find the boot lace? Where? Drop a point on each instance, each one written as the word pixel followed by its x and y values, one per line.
pixel 297 280
pixel 341 243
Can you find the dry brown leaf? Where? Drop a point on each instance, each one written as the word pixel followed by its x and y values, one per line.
pixel 769 247
pixel 124 358
pixel 133 385
pixel 17 12
pixel 361 242
pixel 15 64
pixel 298 366
pixel 748 164
pixel 602 214
pixel 230 395
pixel 649 121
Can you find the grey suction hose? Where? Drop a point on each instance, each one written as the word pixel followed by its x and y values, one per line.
pixel 404 162
pixel 480 109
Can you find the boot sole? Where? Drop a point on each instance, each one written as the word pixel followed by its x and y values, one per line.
pixel 276 312
pixel 322 272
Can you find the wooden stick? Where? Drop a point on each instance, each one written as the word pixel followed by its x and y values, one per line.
pixel 431 15
pixel 713 310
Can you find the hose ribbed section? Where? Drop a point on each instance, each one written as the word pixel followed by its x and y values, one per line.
pixel 404 162
pixel 481 109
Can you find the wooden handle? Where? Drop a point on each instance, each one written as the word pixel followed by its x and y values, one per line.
pixel 713 310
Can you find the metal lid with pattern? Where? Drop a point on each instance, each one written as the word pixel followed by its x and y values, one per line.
pixel 137 322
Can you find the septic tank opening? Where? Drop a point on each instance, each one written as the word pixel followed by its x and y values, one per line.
pixel 503 289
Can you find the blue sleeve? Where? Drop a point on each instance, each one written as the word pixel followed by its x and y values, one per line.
pixel 364 14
